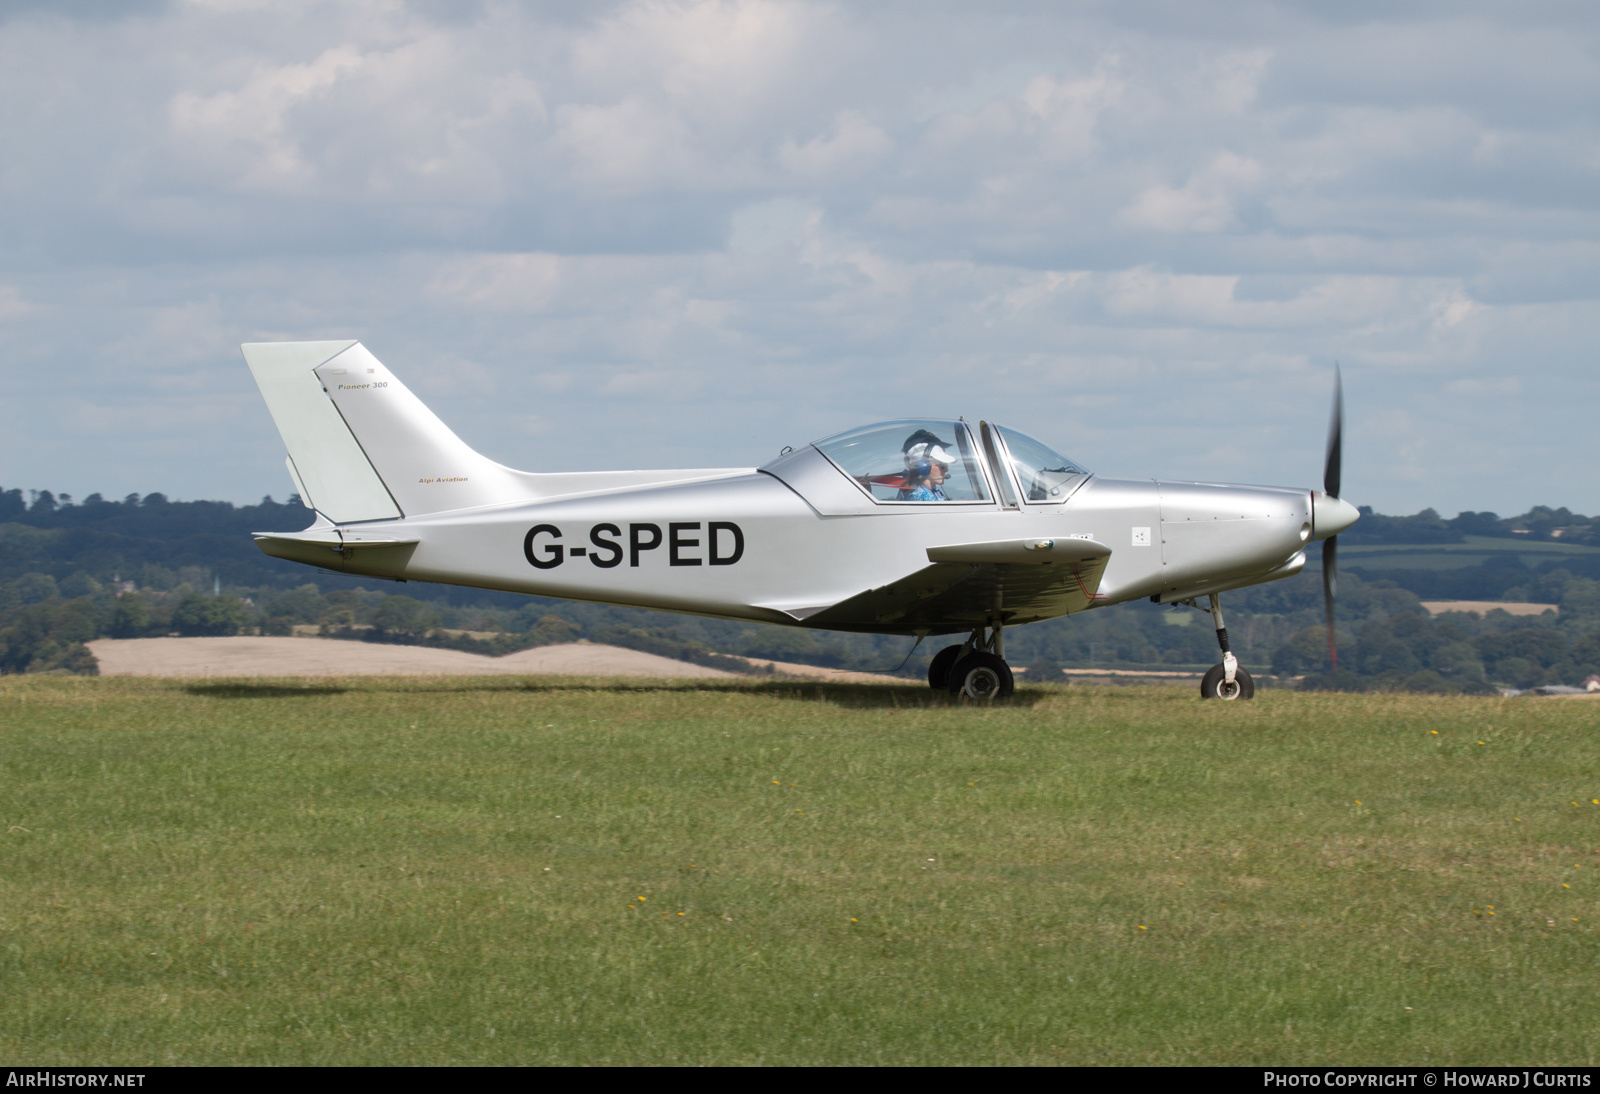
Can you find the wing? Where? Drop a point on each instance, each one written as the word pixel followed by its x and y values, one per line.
pixel 1021 581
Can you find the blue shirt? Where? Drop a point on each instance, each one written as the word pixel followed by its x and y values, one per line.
pixel 923 493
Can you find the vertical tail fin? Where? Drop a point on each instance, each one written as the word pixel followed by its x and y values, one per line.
pixel 361 445
pixel 331 471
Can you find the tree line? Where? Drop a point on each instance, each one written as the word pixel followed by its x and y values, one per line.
pixel 148 566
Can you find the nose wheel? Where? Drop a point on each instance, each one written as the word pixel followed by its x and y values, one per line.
pixel 1215 685
pixel 976 669
pixel 1227 680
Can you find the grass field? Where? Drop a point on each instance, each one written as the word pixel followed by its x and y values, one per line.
pixel 1455 556
pixel 504 871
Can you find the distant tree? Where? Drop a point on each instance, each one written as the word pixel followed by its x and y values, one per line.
pixel 1342 680
pixel 11 505
pixel 1469 523
pixel 1580 599
pixel 79 584
pixel 1045 671
pixel 209 615
pixel 1424 527
pixel 152 576
pixel 402 615
pixel 339 608
pixel 788 644
pixel 1306 652
pixel 1524 656
pixel 130 617
pixel 302 605
pixel 49 637
pixel 35 588
pixel 554 631
pixel 1379 652
pixel 1457 661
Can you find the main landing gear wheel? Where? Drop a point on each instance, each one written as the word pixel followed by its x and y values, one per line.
pixel 1215 685
pixel 981 676
pixel 939 668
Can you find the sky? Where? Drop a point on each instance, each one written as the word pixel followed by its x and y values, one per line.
pixel 661 234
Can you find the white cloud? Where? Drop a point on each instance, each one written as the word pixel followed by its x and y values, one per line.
pixel 854 145
pixel 1205 203
pixel 1236 78
pixel 12 305
pixel 636 143
pixel 1500 388
pixel 247 127
pixel 721 57
pixel 1069 110
pixel 764 225
pixel 730 222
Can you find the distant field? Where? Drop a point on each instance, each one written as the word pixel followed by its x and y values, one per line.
pixel 241 656
pixel 1484 607
pixel 1453 556
pixel 500 870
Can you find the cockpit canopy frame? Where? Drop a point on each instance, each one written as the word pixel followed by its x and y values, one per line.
pixel 890 462
pixel 912 461
pixel 1045 476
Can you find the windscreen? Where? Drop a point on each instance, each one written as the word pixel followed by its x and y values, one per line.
pixel 910 461
pixel 1045 474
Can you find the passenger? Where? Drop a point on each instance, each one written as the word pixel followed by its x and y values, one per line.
pixel 927 466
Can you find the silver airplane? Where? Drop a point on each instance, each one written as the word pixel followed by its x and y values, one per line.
pixel 918 527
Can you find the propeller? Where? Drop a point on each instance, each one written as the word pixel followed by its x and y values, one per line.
pixel 1331 470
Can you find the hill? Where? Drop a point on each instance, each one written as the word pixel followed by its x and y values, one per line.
pixel 150 566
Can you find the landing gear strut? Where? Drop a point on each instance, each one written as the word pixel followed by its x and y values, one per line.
pixel 977 668
pixel 1227 680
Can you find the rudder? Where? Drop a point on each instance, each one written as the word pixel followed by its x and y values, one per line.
pixel 328 467
pixel 392 445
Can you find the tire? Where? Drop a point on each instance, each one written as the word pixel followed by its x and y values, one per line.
pixel 981 677
pixel 1211 686
pixel 939 667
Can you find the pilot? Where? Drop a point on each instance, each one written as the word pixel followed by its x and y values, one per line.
pixel 927 465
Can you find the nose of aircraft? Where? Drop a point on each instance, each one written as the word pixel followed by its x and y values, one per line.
pixel 1330 515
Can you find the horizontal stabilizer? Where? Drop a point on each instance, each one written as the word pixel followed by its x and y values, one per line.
pixel 328 547
pixel 334 539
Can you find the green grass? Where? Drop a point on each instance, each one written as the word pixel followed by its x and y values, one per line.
pixel 493 871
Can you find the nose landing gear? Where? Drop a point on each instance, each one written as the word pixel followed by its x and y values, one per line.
pixel 1227 680
pixel 977 668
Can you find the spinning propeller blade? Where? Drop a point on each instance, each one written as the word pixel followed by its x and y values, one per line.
pixel 1331 470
